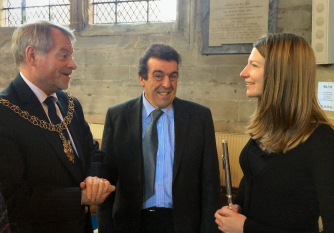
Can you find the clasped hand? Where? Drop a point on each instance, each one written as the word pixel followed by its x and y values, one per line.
pixel 229 220
pixel 95 190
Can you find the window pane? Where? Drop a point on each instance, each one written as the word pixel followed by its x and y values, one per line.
pixel 45 3
pixel 104 13
pixel 15 13
pixel 130 12
pixel 36 3
pixel 13 17
pixel 154 12
pixel 12 3
pixel 164 10
pixel 35 13
pixel 61 14
pixel 98 1
pixel 59 2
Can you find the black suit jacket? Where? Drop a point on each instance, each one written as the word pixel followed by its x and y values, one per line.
pixel 196 182
pixel 39 183
pixel 4 225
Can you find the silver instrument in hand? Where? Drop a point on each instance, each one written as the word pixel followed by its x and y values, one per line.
pixel 226 166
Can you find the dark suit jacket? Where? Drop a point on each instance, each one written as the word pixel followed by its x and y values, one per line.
pixel 40 185
pixel 196 182
pixel 4 225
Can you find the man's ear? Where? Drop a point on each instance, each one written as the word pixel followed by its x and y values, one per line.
pixel 31 55
pixel 141 81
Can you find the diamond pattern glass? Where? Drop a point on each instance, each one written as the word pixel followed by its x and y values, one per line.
pixel 15 17
pixel 132 11
pixel 129 12
pixel 61 14
pixel 154 12
pixel 12 3
pixel 16 13
pixel 35 13
pixel 104 13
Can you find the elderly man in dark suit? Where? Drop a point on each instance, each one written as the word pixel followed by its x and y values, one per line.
pixel 49 161
pixel 184 192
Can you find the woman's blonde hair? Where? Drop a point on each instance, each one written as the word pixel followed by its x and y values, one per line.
pixel 288 111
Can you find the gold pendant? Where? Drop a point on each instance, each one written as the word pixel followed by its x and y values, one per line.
pixel 49 126
pixel 67 147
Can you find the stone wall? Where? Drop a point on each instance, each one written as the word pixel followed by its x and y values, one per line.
pixel 107 59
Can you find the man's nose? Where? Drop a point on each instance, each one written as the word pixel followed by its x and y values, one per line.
pixel 166 81
pixel 72 64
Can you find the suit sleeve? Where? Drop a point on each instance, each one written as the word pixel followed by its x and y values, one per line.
pixel 94 156
pixel 211 200
pixel 104 210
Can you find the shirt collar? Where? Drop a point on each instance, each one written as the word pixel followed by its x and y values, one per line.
pixel 38 92
pixel 169 110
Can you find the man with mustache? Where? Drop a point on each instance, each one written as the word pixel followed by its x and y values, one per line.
pixel 50 163
pixel 184 188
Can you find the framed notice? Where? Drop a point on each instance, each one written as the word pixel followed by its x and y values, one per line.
pixel 326 95
pixel 232 26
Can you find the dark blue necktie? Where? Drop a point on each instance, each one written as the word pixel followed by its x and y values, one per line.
pixel 54 118
pixel 150 149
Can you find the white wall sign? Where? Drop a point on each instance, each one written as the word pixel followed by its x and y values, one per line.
pixel 326 95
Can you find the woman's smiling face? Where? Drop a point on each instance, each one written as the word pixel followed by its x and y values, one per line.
pixel 253 74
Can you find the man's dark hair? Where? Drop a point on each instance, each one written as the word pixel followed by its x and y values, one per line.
pixel 160 51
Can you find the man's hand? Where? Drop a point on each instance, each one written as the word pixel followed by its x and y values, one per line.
pixel 95 190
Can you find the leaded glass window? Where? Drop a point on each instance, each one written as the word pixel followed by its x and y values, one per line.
pixel 17 12
pixel 133 11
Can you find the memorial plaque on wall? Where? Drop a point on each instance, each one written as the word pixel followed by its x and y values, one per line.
pixel 232 26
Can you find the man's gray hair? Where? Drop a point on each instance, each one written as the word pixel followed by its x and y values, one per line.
pixel 36 34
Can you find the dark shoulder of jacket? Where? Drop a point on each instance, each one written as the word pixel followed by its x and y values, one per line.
pixel 7 92
pixel 125 105
pixel 62 96
pixel 187 104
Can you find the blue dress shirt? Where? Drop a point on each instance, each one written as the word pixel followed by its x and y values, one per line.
pixel 165 156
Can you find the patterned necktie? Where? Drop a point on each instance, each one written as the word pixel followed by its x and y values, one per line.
pixel 150 149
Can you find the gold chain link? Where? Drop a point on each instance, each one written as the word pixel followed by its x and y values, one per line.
pixel 49 126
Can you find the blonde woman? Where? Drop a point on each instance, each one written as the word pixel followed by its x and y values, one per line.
pixel 288 163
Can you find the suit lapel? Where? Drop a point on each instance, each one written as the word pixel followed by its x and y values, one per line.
pixel 134 121
pixel 30 103
pixel 73 127
pixel 181 124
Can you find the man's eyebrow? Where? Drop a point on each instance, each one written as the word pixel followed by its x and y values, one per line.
pixel 160 71
pixel 64 49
